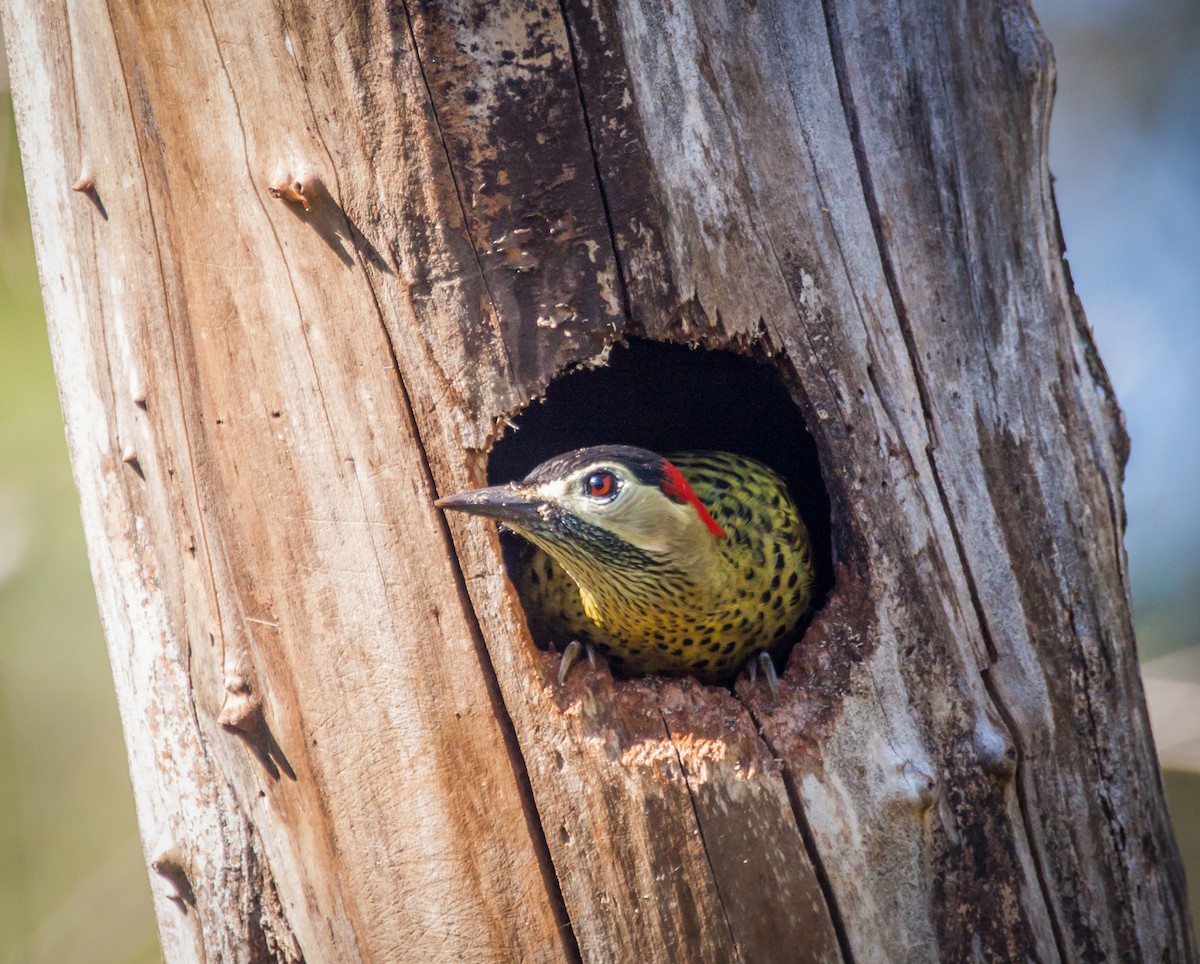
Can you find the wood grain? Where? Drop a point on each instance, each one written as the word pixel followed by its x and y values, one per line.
pixel 343 742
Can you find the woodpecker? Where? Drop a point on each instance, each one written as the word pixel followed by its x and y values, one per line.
pixel 697 562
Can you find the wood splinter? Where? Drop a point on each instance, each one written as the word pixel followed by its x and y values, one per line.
pixel 130 457
pixel 242 715
pixel 241 710
pixel 86 183
pixel 288 190
pixel 920 787
pixel 997 752
pixel 168 863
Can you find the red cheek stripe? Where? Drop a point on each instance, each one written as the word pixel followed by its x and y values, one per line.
pixel 675 486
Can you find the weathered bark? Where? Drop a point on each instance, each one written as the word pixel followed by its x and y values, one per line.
pixel 343 743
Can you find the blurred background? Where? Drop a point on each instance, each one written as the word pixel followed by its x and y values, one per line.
pixel 1125 152
pixel 1125 149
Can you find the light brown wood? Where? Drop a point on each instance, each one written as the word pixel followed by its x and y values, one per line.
pixel 329 249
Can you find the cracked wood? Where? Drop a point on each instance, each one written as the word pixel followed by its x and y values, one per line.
pixel 343 744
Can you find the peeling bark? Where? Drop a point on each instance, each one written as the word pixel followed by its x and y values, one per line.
pixel 321 253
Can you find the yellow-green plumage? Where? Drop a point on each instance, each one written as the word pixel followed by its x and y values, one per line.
pixel 737 595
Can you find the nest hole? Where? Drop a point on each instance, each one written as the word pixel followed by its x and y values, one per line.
pixel 670 398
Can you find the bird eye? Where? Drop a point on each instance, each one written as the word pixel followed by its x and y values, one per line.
pixel 600 485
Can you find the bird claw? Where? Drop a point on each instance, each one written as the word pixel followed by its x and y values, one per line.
pixel 571 655
pixel 763 660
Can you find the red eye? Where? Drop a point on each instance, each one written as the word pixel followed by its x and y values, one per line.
pixel 600 485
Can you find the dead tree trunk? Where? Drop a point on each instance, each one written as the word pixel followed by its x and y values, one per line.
pixel 319 253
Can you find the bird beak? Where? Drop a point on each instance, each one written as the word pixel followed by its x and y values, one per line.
pixel 505 503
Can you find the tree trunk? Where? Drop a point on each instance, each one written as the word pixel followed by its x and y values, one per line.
pixel 320 254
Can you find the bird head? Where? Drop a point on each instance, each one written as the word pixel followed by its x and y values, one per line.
pixel 601 510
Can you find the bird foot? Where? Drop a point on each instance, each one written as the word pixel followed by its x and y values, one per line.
pixel 571 654
pixel 762 661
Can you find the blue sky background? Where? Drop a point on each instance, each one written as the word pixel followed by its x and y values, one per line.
pixel 1125 151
